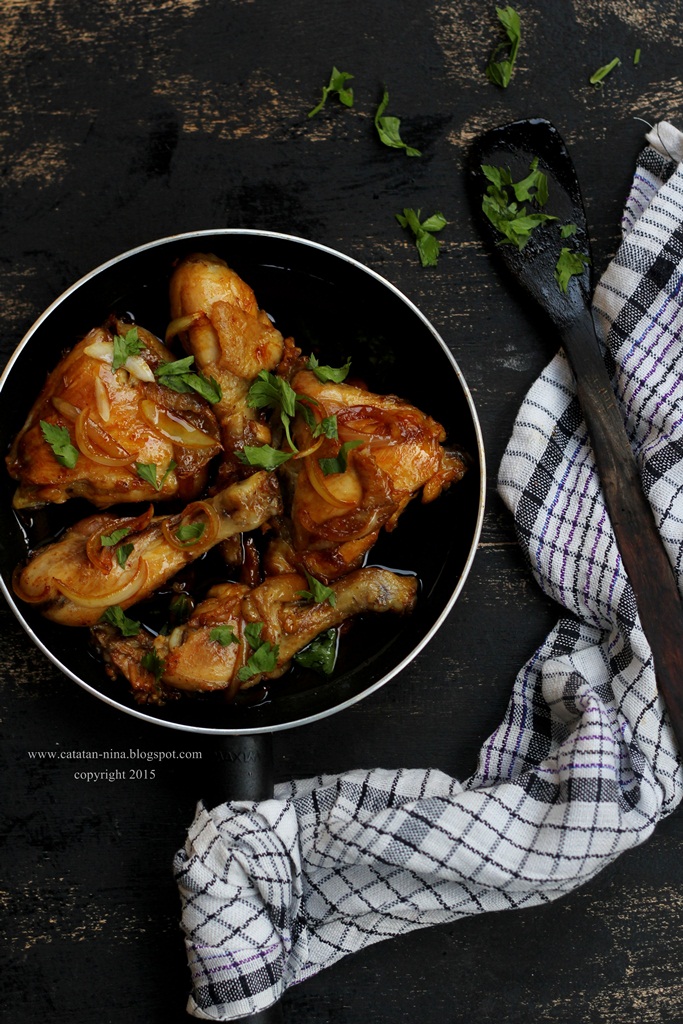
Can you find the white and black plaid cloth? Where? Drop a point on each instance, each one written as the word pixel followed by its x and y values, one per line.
pixel 583 765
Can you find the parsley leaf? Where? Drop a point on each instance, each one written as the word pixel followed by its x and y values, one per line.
pixel 500 71
pixel 123 553
pixel 264 656
pixel 339 462
pixel 180 609
pixel 570 264
pixel 321 654
pixel 116 616
pixel 147 471
pixel 108 540
pixel 388 128
pixel 178 376
pixel 513 221
pixel 59 440
pixel 153 663
pixel 318 592
pixel 336 374
pixel 270 391
pixel 264 456
pixel 597 78
pixel 427 245
pixel 337 83
pixel 223 635
pixel 568 229
pixel 124 346
pixel 189 533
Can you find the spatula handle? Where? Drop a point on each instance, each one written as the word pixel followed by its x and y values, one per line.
pixel 640 544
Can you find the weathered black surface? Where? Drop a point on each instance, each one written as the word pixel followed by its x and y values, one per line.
pixel 129 121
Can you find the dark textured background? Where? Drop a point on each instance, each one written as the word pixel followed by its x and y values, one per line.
pixel 125 121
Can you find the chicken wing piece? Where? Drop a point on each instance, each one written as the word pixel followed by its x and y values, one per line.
pixel 107 560
pixel 232 340
pixel 239 636
pixel 104 428
pixel 347 488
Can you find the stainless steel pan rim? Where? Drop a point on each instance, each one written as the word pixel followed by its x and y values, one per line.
pixel 198 236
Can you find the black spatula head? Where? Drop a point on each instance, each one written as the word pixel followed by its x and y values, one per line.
pixel 516 148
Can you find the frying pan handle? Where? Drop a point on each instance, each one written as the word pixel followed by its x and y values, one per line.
pixel 241 768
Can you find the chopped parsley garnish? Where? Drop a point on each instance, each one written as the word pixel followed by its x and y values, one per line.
pixel 336 374
pixel 224 635
pixel 598 77
pixel 178 376
pixel 153 663
pixel 126 345
pixel 501 203
pixel 180 608
pixel 337 84
pixel 189 533
pixel 59 440
pixel 389 128
pixel 424 231
pixel 339 462
pixel 318 593
pixel 270 391
pixel 116 616
pixel 321 654
pixel 636 56
pixel 108 540
pixel 147 471
pixel 264 654
pixel 570 264
pixel 263 456
pixel 123 553
pixel 500 71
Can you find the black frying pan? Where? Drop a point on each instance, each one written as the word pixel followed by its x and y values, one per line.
pixel 332 305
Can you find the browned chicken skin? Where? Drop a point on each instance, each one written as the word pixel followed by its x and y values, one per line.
pixel 75 579
pixel 231 339
pixel 335 518
pixel 116 421
pixel 193 658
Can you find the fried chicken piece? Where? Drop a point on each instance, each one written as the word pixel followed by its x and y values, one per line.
pixel 239 636
pixel 231 339
pixel 100 425
pixel 109 560
pixel 346 489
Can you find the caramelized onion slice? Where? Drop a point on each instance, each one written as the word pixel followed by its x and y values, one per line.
pixel 182 323
pixel 103 557
pixel 105 450
pixel 67 410
pixel 317 481
pixel 174 427
pixel 129 586
pixel 170 527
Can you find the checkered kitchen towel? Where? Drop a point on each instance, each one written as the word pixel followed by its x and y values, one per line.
pixel 583 765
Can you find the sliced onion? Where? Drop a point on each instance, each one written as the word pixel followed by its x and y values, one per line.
pixel 101 350
pixel 102 400
pixel 103 557
pixel 316 478
pixel 25 595
pixel 310 450
pixel 182 323
pixel 175 427
pixel 139 368
pixel 68 411
pixel 170 526
pixel 108 452
pixel 133 583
